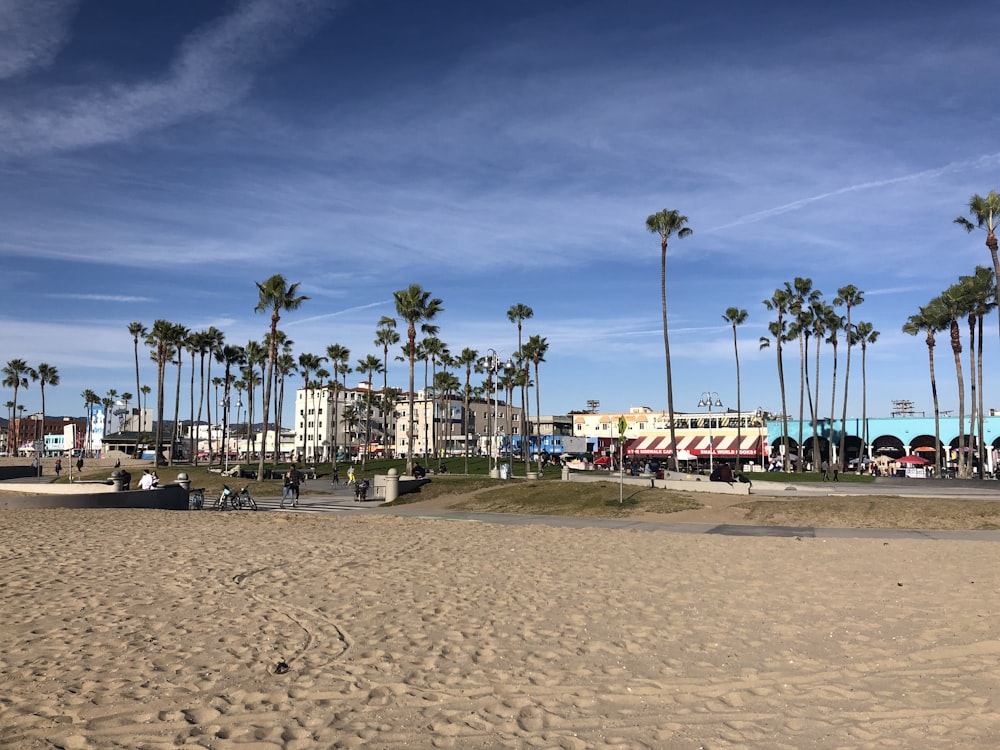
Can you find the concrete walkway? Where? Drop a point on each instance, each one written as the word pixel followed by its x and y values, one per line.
pixel 340 499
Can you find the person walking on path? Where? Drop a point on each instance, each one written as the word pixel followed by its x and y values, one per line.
pixel 296 479
pixel 336 476
pixel 825 468
pixel 58 467
pixel 350 475
pixel 836 472
pixel 287 492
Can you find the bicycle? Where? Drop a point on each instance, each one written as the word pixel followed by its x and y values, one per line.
pixel 226 498
pixel 196 499
pixel 243 500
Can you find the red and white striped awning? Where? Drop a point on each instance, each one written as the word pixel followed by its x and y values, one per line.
pixel 697 445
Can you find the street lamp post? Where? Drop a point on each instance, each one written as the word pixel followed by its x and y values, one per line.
pixel 710 399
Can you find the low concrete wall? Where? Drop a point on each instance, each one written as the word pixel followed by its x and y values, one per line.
pixel 168 497
pixel 679 482
pixel 407 483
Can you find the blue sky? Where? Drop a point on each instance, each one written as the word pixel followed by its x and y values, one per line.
pixel 159 158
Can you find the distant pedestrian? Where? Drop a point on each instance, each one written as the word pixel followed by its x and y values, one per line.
pixel 836 471
pixel 36 466
pixel 79 464
pixel 825 468
pixel 350 475
pixel 146 481
pixel 58 467
pixel 336 476
pixel 287 492
pixel 296 479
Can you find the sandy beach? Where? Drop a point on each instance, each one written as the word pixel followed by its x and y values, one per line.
pixel 153 629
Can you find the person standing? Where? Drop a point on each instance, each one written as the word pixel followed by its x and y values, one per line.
pixel 287 492
pixel 146 483
pixel 336 476
pixel 296 479
pixel 58 467
pixel 825 468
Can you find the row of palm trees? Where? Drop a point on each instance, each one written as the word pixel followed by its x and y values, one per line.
pixel 801 312
pixel 17 375
pixel 257 370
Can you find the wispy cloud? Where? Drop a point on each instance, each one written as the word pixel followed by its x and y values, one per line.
pixel 214 67
pixel 100 297
pixel 33 33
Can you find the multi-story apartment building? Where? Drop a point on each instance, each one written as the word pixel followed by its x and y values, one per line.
pixel 439 426
pixel 329 418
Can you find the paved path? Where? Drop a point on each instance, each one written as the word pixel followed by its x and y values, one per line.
pixel 340 500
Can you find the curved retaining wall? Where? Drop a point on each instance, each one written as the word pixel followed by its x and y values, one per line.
pixel 168 497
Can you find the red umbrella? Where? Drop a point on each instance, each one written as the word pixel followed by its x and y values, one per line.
pixel 924 449
pixel 915 460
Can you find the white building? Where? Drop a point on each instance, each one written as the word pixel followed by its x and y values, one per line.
pixel 439 425
pixel 328 417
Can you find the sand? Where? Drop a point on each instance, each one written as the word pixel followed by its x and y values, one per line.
pixel 152 629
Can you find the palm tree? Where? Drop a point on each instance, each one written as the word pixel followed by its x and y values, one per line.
pixel 979 290
pixel 338 356
pixel 214 341
pixel 281 368
pixel 955 307
pixel 864 333
pixel 138 331
pixel 232 356
pixel 159 340
pixel 736 316
pixel 416 307
pixel 90 399
pixel 469 359
pixel 518 314
pixel 986 212
pixel 834 325
pixel 386 336
pixel 534 352
pixel 803 297
pixel 255 355
pixel 666 223
pixel 849 296
pixel 44 375
pixel 369 365
pixel 276 295
pixel 779 303
pixel 15 376
pixel 178 336
pixel 931 319
pixel 434 351
pixel 821 314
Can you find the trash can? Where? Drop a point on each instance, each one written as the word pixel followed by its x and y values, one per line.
pixel 505 471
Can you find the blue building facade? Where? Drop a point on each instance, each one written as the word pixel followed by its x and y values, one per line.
pixel 893 437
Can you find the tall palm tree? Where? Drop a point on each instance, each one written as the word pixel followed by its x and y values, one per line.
pixel 15 376
pixel 338 356
pixel 232 357
pixel 930 320
pixel 834 325
pixel 955 307
pixel 736 316
pixel 850 297
pixel 469 359
pixel 284 349
pixel 138 331
pixel 666 223
pixel 821 313
pixel 780 304
pixel 214 341
pixel 979 290
pixel 534 352
pixel 417 308
pixel 864 334
pixel 44 374
pixel 803 297
pixel 275 295
pixel 386 336
pixel 986 213
pixel 178 335
pixel 255 357
pixel 369 365
pixel 90 399
pixel 159 340
pixel 435 352
pixel 518 313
